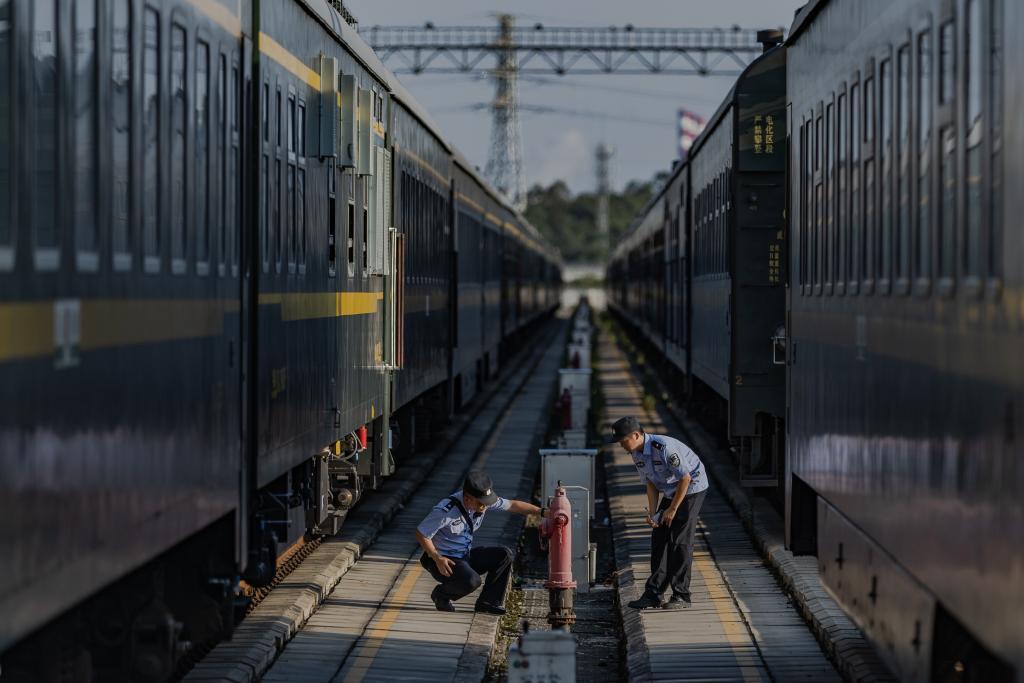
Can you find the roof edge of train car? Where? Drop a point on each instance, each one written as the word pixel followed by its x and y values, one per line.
pixel 803 17
pixel 353 41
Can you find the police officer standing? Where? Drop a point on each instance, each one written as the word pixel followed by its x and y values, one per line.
pixel 671 470
pixel 446 535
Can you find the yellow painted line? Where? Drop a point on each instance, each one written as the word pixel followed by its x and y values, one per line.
pixel 26 330
pixel 469 202
pixel 368 651
pixel 220 15
pixel 279 54
pixel 108 323
pixel 735 632
pixel 425 166
pixel 310 305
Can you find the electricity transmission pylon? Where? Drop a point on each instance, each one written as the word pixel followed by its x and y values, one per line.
pixel 505 162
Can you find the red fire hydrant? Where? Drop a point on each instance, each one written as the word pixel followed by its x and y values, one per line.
pixel 565 409
pixel 557 530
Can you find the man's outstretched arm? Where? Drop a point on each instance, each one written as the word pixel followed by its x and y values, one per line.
pixel 523 508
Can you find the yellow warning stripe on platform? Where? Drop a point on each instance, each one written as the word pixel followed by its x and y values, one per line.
pixel 377 633
pixel 735 631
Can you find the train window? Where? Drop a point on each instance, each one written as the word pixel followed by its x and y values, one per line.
pixel 234 194
pixel 902 246
pixel 278 227
pixel 869 109
pixel 884 244
pixel 300 216
pixel 973 70
pixel 265 213
pixel 922 237
pixel 870 227
pixel 947 63
pixel 351 236
pixel 293 226
pixel 947 141
pixel 301 130
pixel 291 124
pixel 995 102
pixel 6 124
pixel 829 246
pixel 43 186
pixel 277 116
pixel 947 156
pixel 803 202
pixel 151 140
pixel 202 153
pixel 220 195
pixel 818 199
pixel 855 269
pixel 179 118
pixel 842 198
pixel 120 132
pixel 265 111
pixel 85 134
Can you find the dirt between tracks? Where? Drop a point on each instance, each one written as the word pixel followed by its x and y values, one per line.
pixel 599 652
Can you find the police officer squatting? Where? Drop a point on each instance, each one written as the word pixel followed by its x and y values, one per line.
pixel 446 535
pixel 673 472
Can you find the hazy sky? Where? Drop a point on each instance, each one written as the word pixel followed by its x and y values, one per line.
pixel 562 146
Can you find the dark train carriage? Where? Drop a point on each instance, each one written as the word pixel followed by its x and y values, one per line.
pixel 120 350
pixel 320 257
pixel 677 272
pixel 737 232
pixel 700 272
pixel 423 216
pixel 477 306
pixel 905 368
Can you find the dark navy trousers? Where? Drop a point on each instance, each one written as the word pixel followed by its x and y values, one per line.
pixel 672 548
pixel 494 561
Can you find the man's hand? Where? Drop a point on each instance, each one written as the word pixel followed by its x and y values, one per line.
pixel 444 565
pixel 668 515
pixel 651 523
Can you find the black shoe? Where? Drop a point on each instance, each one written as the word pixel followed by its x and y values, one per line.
pixel 645 601
pixel 488 608
pixel 442 603
pixel 677 602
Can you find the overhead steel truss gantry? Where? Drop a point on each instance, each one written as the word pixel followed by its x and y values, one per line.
pixel 542 50
pixel 507 51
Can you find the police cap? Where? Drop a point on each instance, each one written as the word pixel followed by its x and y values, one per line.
pixel 480 486
pixel 622 428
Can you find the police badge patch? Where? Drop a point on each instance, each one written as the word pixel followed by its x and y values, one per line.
pixel 673 460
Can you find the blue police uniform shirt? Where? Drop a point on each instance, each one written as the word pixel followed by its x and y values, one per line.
pixel 664 461
pixel 446 526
